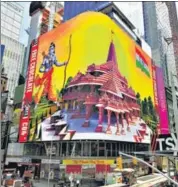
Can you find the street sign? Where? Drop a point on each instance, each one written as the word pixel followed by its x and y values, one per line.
pixel 166 142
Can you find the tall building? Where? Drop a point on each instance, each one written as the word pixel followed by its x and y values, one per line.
pixel 173 17
pixel 11 19
pixel 158 30
pixel 12 62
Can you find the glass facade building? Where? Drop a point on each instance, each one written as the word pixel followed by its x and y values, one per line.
pixel 12 62
pixel 157 28
pixel 11 19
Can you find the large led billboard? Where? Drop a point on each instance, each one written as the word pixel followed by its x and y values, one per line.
pixel 87 79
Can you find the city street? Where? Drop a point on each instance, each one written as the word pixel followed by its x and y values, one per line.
pixel 89 93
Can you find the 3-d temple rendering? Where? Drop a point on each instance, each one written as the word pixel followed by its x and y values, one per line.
pixel 102 90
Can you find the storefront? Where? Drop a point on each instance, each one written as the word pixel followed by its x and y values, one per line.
pixel 51 169
pixel 24 165
pixel 93 169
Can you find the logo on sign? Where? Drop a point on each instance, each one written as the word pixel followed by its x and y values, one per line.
pixel 167 142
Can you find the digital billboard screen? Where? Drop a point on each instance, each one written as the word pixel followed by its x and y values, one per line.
pixel 87 79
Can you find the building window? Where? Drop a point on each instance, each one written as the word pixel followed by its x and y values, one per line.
pixel 102 149
pixel 114 150
pixel 3 9
pixel 78 149
pixel 94 148
pixel 86 149
pixel 16 30
pixel 16 24
pixel 9 27
pixel 10 13
pixel 64 149
pixel 17 18
pixel 108 149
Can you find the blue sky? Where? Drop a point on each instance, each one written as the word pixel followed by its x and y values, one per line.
pixel 134 19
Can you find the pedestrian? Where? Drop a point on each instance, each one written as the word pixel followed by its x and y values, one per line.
pixel 77 183
pixel 4 179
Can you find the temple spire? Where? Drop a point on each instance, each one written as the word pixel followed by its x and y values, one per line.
pixel 112 52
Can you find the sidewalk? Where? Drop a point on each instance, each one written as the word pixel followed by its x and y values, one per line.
pixel 44 183
pixel 149 180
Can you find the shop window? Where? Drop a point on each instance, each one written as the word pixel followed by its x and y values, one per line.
pixel 71 149
pixel 101 149
pixel 78 149
pixel 86 149
pixel 108 150
pixel 64 149
pixel 94 148
pixel 122 147
pixel 114 150
pixel 29 149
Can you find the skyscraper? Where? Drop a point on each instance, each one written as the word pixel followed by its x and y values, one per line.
pixel 171 5
pixel 12 62
pixel 11 19
pixel 158 29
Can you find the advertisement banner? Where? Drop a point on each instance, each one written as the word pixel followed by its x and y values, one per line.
pixel 163 113
pixel 27 99
pixel 102 168
pixel 74 169
pixel 88 162
pixel 92 81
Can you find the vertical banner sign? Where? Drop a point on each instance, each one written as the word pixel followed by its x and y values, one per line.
pixel 155 93
pixel 27 99
pixel 164 128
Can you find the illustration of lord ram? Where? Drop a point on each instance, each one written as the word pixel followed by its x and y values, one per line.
pixel 44 83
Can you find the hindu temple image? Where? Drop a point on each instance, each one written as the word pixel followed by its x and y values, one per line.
pixel 100 102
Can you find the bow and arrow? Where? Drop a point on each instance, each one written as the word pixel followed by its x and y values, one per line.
pixel 65 69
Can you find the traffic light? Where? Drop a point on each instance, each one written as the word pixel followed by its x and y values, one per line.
pixel 119 163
